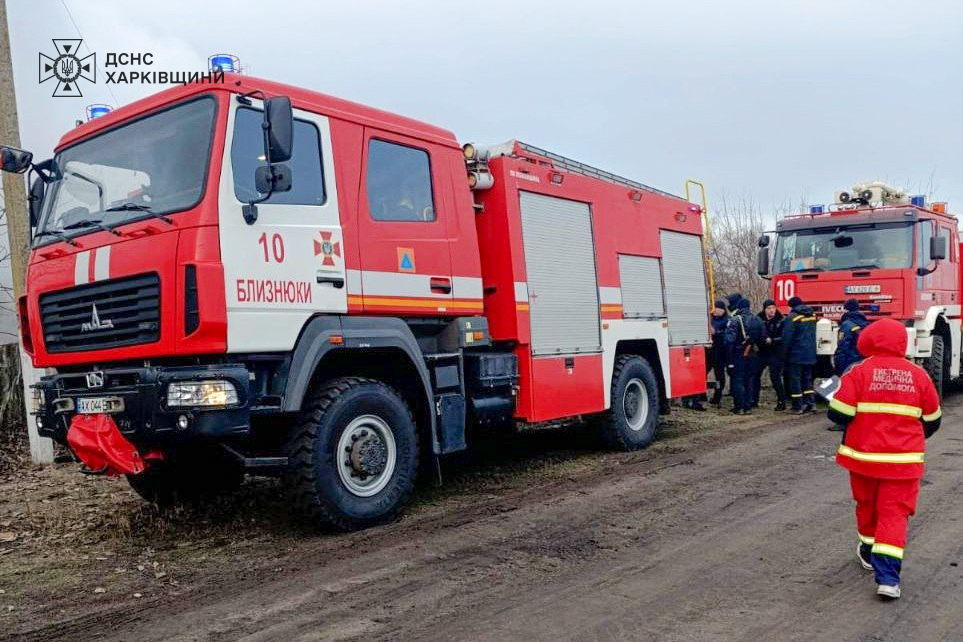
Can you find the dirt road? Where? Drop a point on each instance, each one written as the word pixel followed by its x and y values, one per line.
pixel 741 531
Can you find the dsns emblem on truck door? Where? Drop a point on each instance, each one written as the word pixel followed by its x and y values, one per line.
pixel 96 323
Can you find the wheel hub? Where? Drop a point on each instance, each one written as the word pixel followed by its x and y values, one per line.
pixel 366 455
pixel 369 455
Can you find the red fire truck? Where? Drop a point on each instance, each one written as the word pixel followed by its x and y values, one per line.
pixel 896 254
pixel 255 278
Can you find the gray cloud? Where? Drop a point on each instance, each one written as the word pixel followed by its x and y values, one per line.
pixel 772 100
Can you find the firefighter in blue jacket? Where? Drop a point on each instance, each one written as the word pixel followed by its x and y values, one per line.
pixel 771 354
pixel 799 341
pixel 720 319
pixel 849 326
pixel 743 338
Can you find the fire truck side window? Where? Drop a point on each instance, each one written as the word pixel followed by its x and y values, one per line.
pixel 247 154
pixel 399 183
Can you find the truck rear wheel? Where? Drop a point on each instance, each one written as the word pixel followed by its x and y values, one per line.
pixel 188 476
pixel 938 365
pixel 633 416
pixel 353 454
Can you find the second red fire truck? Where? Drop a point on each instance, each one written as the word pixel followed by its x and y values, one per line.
pixel 896 254
pixel 256 278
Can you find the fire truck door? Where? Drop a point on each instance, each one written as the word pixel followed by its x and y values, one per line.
pixel 403 228
pixel 288 264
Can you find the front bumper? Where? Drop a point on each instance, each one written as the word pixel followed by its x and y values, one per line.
pixel 145 419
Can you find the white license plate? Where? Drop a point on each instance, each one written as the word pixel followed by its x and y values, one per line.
pixel 95 405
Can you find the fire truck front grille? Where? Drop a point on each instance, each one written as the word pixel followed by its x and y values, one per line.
pixel 106 314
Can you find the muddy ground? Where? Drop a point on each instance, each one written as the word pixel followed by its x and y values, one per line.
pixel 725 529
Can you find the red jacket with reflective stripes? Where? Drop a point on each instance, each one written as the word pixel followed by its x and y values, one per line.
pixel 885 401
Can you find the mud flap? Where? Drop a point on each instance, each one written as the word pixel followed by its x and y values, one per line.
pixel 97 442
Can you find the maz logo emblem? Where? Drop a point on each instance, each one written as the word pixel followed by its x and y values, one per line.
pixel 95 379
pixel 96 323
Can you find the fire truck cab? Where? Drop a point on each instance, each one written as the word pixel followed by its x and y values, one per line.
pixel 897 255
pixel 256 278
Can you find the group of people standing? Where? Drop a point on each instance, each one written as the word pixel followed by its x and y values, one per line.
pixel 745 345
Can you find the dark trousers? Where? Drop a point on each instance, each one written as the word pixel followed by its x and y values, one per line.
pixel 800 384
pixel 742 372
pixel 719 371
pixel 776 377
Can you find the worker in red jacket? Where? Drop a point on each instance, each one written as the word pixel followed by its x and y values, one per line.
pixel 889 406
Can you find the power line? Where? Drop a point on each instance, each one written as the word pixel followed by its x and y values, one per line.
pixel 87 47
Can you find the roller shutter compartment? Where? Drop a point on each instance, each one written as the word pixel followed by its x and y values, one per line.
pixel 687 303
pixel 641 281
pixel 562 283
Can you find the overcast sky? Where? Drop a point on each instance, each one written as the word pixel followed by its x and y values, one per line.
pixel 777 101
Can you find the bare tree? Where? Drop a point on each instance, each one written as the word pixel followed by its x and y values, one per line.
pixel 736 227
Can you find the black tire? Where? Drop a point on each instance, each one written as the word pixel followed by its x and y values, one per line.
pixel 189 476
pixel 634 386
pixel 938 365
pixel 319 484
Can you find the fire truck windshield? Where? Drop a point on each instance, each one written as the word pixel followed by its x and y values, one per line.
pixel 877 245
pixel 153 165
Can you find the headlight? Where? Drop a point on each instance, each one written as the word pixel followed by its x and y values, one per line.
pixel 201 393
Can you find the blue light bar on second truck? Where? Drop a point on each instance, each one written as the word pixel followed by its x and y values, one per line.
pixel 918 201
pixel 224 62
pixel 815 209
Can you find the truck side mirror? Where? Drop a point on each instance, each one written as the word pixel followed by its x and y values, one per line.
pixel 279 125
pixel 764 240
pixel 762 261
pixel 937 248
pixel 35 199
pixel 13 160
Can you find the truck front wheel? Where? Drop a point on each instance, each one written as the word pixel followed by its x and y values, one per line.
pixel 353 454
pixel 938 365
pixel 633 415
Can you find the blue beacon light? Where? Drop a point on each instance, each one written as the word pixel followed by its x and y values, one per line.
pixel 224 62
pixel 96 111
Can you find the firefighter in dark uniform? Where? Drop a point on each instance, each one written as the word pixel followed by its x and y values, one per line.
pixel 799 339
pixel 771 354
pixel 720 319
pixel 743 337
pixel 889 406
pixel 849 326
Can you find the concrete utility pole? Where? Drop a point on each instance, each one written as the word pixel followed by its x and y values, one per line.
pixel 18 225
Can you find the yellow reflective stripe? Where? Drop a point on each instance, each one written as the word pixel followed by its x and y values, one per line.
pixel 889 409
pixel 888 549
pixel 933 417
pixel 843 408
pixel 864 539
pixel 882 458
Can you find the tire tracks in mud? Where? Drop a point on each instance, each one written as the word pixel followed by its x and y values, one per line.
pixel 737 535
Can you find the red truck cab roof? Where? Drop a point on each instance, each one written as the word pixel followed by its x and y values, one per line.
pixel 300 98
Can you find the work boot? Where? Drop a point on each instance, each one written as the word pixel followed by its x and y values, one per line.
pixel 807 408
pixel 797 411
pixel 888 592
pixel 780 407
pixel 863 552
